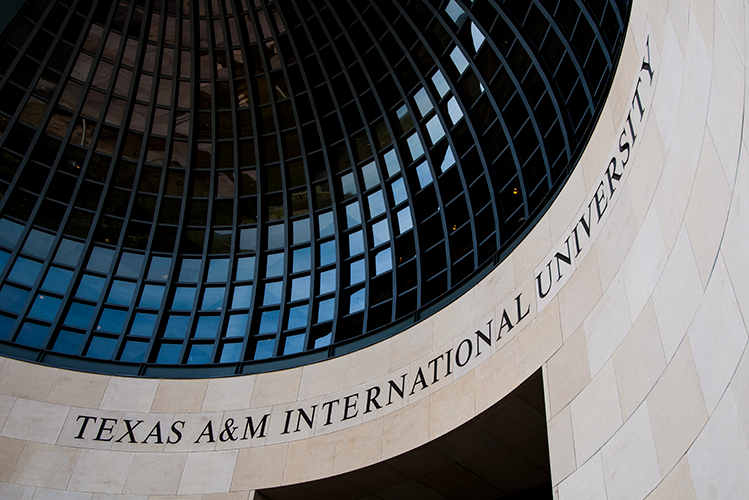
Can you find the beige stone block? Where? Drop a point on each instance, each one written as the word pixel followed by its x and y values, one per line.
pixel 497 376
pixel 6 405
pixel 200 432
pixel 10 451
pixel 101 471
pixel 645 170
pixel 454 319
pixel 717 336
pixel 231 393
pixel 539 340
pixel 35 421
pixel 77 389
pixel 239 495
pixel 580 295
pixel 155 473
pixel 367 364
pixel 48 494
pixel 411 344
pixel 276 388
pixel 323 378
pixel 17 491
pixel 45 465
pixel 598 148
pixel 719 457
pixel 644 264
pixel 561 446
pixel 179 396
pixel 740 389
pixel 495 287
pixel 619 100
pixel 300 468
pixel 406 429
pixel 677 485
pixel 596 414
pixel 586 483
pixel 707 210
pixel 736 237
pixel 452 406
pixel 260 467
pixel 677 294
pixel 630 463
pixel 616 237
pixel 93 429
pixel 670 78
pixel 129 394
pixel 153 434
pixel 677 410
pixel 638 362
pixel 704 17
pixel 106 496
pixel 569 372
pixel 678 12
pixel 358 446
pixel 567 205
pixel 208 472
pixel 607 325
pixel 26 380
pixel 531 251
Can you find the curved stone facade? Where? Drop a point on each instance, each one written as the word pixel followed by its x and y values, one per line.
pixel 629 294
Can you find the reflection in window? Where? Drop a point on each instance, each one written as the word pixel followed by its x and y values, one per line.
pixel 213 299
pixel 25 271
pixel 295 343
pixel 460 61
pixel 423 102
pixel 404 220
pixel 414 146
pixel 356 243
pixel 274 264
pixel 269 322
pixel 325 310
pixel 353 215
pixel 207 327
pixel 327 281
pixel 68 342
pixel 327 253
pixel 242 297
pixel 79 315
pixel 380 232
pixel 151 297
pixel 45 307
pixel 101 347
pixel 454 111
pixel 111 320
pixel 57 280
pixel 183 298
pixel 176 327
pixel 300 288
pixel 237 325
pixel 298 318
pixel 383 261
pixel 121 293
pixel 143 324
pixel 272 295
pixel 90 287
pixel 438 79
pixel 302 260
pixel 424 175
pixel 376 204
pixel 357 272
pixel 356 302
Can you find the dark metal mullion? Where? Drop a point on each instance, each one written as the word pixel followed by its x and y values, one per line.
pixel 594 26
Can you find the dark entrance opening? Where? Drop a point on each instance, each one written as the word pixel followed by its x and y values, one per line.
pixel 501 453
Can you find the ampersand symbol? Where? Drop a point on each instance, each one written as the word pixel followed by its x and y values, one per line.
pixel 228 432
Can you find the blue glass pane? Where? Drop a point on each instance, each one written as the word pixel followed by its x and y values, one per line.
pixel 424 175
pixel 45 307
pixel 207 327
pixel 218 270
pixel 200 354
pixel 294 344
pixel 415 147
pixel 380 232
pixel 272 295
pixel 246 268
pixel 9 233
pixel 348 186
pixel 79 315
pixel 456 13
pixel 438 79
pixel 121 293
pixel 264 349
pixel 404 220
pixel 6 324
pixel 32 335
pixel 325 310
pixel 353 215
pixel 231 352
pixel 111 320
pixel 327 281
pixel 376 203
pixel 189 271
pixel 269 322
pixel 461 63
pixel 275 236
pixel 213 299
pixel 300 288
pixel 38 244
pixel 356 303
pixel 101 347
pixel 301 231
pixel 325 221
pixel 404 117
pixel 248 239
pixel 399 191
pixel 69 252
pixel 4 256
pixel 100 260
pixel 176 327
pixel 90 287
pixel 436 132
pixel 448 161
pixel 274 265
pixel 369 175
pixel 12 298
pixel 57 280
pixel 169 354
pixel 302 260
pixel 68 342
pixel 25 271
pixel 453 109
pixel 391 163
pixel 134 351
pixel 357 272
pixel 478 39
pixel 151 297
pixel 383 261
pixel 327 253
pixel 130 264
pixel 298 318
pixel 422 102
pixel 323 341
pixel 237 326
pixel 143 324
pixel 183 298
pixel 159 269
pixel 242 297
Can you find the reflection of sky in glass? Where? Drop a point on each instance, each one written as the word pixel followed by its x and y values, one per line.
pixel 298 317
pixel 325 310
pixel 460 61
pixel 269 322
pixel 356 243
pixel 376 204
pixel 242 297
pixel 424 175
pixel 183 298
pixel 325 221
pixel 438 79
pixel 369 174
pixel 57 279
pixel 302 259
pixel 357 272
pixel 327 253
pixel 301 231
pixel 414 145
pixel 356 302
pixel 246 268
pixel 383 261
pixel 380 232
pixel 213 298
pixel 404 220
pixel 423 102
pixel 353 215
pixel 399 191
pixel 434 127
pixel 300 288
pixel 272 295
pixel 391 163
pixel 207 327
pixel 327 281
pixel 274 263
pixel 453 109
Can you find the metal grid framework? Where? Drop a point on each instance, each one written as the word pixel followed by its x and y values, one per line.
pixel 228 186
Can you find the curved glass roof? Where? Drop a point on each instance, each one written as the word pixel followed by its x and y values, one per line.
pixel 211 187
